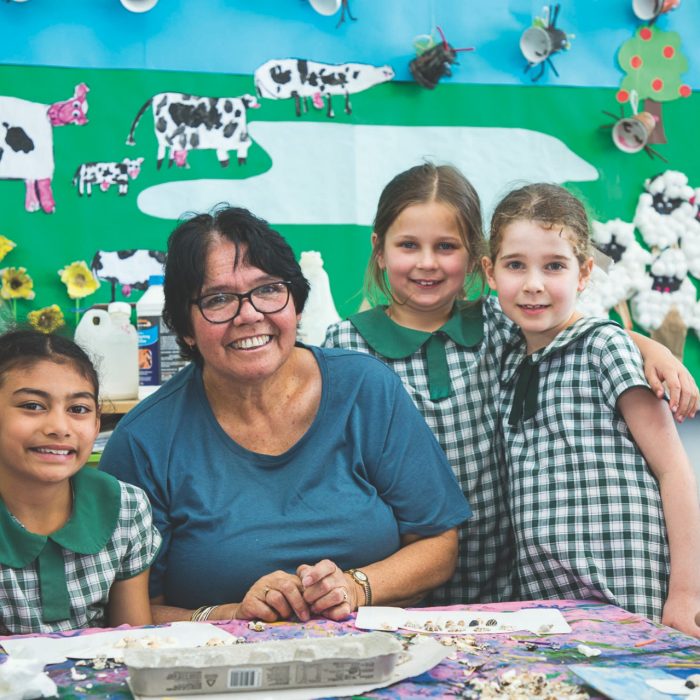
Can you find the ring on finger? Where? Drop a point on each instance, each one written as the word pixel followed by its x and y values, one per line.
pixel 265 592
pixel 345 595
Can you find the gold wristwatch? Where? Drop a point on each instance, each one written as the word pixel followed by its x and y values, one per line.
pixel 360 577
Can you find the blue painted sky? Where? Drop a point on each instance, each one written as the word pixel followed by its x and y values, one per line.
pixel 236 36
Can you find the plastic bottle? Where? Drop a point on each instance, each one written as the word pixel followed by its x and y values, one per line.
pixel 159 355
pixel 110 340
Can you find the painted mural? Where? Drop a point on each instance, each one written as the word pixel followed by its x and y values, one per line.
pixel 306 133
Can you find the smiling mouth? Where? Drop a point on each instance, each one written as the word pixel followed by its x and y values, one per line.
pixel 52 451
pixel 426 284
pixel 533 307
pixel 256 341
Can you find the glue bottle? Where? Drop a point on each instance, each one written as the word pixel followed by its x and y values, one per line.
pixel 159 355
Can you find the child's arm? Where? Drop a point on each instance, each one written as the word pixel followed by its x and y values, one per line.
pixel 128 602
pixel 661 366
pixel 651 425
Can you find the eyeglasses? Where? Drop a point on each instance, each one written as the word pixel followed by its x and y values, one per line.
pixel 222 307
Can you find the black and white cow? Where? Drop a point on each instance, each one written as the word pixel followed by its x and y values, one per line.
pixel 128 268
pixel 26 142
pixel 282 79
pixel 185 123
pixel 107 174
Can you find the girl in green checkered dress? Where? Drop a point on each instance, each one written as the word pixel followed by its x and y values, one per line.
pixel 603 499
pixel 75 544
pixel 427 241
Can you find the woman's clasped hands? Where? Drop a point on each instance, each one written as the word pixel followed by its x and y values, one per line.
pixel 322 589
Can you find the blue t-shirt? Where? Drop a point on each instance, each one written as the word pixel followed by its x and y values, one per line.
pixel 367 471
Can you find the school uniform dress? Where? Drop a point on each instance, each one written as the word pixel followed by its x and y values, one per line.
pixel 61 581
pixel 452 376
pixel 586 509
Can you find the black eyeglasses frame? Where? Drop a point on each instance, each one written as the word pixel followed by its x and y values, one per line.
pixel 241 298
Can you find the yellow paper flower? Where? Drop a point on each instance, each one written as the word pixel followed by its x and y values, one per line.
pixel 78 279
pixel 48 319
pixel 6 245
pixel 16 283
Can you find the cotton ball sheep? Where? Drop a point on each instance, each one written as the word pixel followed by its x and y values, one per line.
pixel 319 311
pixel 667 287
pixel 670 185
pixel 627 275
pixel 664 211
pixel 594 300
pixel 690 241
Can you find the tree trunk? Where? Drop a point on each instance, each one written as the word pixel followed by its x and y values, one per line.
pixel 655 108
pixel 672 332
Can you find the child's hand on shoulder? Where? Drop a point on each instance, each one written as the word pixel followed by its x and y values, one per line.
pixel 682 612
pixel 666 374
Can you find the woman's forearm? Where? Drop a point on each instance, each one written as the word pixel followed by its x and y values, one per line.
pixel 422 563
pixel 163 614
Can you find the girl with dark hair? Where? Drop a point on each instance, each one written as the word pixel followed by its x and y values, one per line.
pixel 75 544
pixel 281 476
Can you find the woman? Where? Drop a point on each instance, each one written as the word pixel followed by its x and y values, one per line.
pixel 285 479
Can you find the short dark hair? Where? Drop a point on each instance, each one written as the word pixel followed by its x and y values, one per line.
pixel 23 348
pixel 188 246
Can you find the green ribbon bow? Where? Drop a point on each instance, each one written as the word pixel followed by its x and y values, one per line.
pixel 386 337
pixel 96 505
pixel 525 395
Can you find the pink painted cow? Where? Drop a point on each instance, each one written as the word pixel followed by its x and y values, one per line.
pixel 26 142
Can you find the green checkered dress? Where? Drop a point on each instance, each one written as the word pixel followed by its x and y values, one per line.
pixel 110 520
pixel 465 424
pixel 586 510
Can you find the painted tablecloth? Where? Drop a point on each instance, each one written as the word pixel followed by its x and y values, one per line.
pixel 623 639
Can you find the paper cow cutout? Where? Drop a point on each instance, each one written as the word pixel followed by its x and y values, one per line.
pixel 26 142
pixel 128 268
pixel 185 123
pixel 104 175
pixel 287 78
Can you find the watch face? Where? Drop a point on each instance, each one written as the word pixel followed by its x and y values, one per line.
pixel 361 575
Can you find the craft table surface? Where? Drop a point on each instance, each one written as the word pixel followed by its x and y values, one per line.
pixel 623 638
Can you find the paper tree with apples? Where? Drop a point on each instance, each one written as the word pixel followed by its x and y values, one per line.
pixel 653 63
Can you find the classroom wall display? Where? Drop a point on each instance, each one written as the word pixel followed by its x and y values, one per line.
pixel 165 136
pixel 656 276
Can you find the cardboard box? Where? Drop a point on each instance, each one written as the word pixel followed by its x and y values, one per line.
pixel 271 665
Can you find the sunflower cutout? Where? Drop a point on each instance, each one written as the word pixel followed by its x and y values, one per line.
pixel 6 245
pixel 16 284
pixel 79 280
pixel 48 319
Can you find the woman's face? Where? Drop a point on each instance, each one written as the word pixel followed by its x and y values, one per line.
pixel 253 346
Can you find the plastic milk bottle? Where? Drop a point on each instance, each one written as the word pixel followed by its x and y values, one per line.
pixel 110 340
pixel 159 355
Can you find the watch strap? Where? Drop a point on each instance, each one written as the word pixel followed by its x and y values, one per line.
pixel 360 577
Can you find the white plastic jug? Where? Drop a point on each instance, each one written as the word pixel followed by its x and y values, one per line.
pixel 111 342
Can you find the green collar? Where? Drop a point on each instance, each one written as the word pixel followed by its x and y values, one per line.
pixel 96 505
pixel 528 367
pixel 387 338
